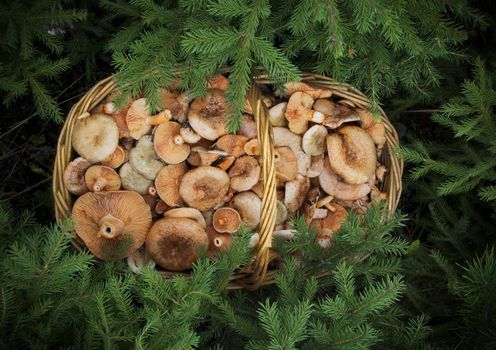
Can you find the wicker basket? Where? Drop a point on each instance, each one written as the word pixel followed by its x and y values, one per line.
pixel 257 273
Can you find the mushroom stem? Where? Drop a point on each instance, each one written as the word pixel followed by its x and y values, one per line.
pixel 152 191
pixel 314 116
pixel 99 184
pixel 218 242
pixel 110 227
pixel 178 140
pixel 159 118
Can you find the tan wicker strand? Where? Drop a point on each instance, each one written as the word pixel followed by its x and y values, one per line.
pixel 257 273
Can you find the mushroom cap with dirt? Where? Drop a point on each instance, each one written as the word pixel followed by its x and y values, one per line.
pixel 204 187
pixel 74 176
pixel 144 159
pixel 190 213
pixel 167 183
pixel 226 220
pixel 102 178
pixel 333 220
pixel 314 140
pixel 352 154
pixel 175 243
pixel 299 112
pixel 177 104
pixel 112 225
pixel 134 181
pixel 249 207
pixel 169 144
pixel 207 115
pixel 95 137
pixel 334 185
pixel 244 173
pixel 286 164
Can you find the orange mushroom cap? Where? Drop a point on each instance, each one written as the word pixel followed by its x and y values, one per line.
pixel 226 220
pixel 232 144
pixel 244 173
pixel 102 178
pixel 169 144
pixel 167 183
pixel 116 159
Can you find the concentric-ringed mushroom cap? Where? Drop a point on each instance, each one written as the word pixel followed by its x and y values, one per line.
pixel 116 159
pixel 207 115
pixel 134 181
pixel 299 112
pixel 314 140
pixel 226 220
pixel 95 137
pixel 167 183
pixel 144 159
pixel 111 224
pixel 204 187
pixel 102 178
pixel 286 164
pixel 169 144
pixel 174 243
pixel 190 213
pixel 217 242
pixel 352 154
pixel 334 185
pixel 74 176
pixel 244 173
pixel 249 207
pixel 139 120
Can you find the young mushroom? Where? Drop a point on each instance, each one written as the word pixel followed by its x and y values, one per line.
pixel 169 144
pixel 190 213
pixel 226 220
pixel 95 137
pixel 132 180
pixel 207 115
pixel 249 207
pixel 352 154
pixel 314 140
pixel 167 183
pixel 244 173
pixel 299 112
pixel 144 159
pixel 116 159
pixel 174 243
pixel 286 164
pixel 102 178
pixel 74 176
pixel 252 147
pixel 139 120
pixel 204 187
pixel 112 225
pixel 334 185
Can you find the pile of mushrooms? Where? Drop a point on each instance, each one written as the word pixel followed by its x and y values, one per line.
pixel 160 188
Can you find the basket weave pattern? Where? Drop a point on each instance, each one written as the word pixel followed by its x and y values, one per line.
pixel 257 273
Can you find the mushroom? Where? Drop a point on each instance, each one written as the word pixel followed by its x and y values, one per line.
pixel 74 176
pixel 248 128
pixel 190 213
pixel 352 154
pixel 310 204
pixel 295 193
pixel 112 225
pixel 132 180
pixel 252 148
pixel 207 215
pixel 169 144
pixel 335 114
pixel 144 159
pixel 333 184
pixel 139 120
pixel 258 188
pixel 178 105
pixel 314 140
pixel 380 172
pixel 226 220
pixel 167 184
pixel 207 115
pixel 286 164
pixel 376 195
pixel 232 144
pixel 217 242
pixel 95 137
pixel 188 134
pixel 268 101
pixel 249 207
pixel 282 213
pixel 139 259
pixel 316 166
pixel 102 178
pixel 224 162
pixel 277 114
pixel 333 220
pixel 293 86
pixel 116 159
pixel 199 156
pixel 375 128
pixel 161 207
pixel 284 137
pixel 219 82
pixel 204 187
pixel 119 117
pixel 244 173
pixel 299 112
pixel 174 243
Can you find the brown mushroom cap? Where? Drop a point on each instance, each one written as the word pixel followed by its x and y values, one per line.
pixel 333 184
pixel 294 86
pixel 249 207
pixel 352 154
pixel 169 143
pixel 284 137
pixel 217 242
pixel 190 213
pixel 102 178
pixel 167 183
pixel 333 220
pixel 112 225
pixel 95 137
pixel 244 173
pixel 132 180
pixel 252 147
pixel 74 176
pixel 286 164
pixel 219 82
pixel 178 105
pixel 232 144
pixel 375 128
pixel 295 193
pixel 174 243
pixel 299 111
pixel 139 120
pixel 226 220
pixel 116 159
pixel 335 114
pixel 207 115
pixel 188 134
pixel 314 140
pixel 204 187
pixel 249 127
pixel 119 117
